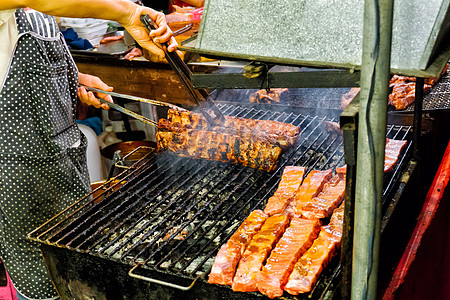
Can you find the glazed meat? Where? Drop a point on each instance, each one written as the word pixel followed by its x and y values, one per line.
pixel 298 237
pixel 404 88
pixel 290 181
pixel 312 185
pixel 403 93
pixel 337 218
pixel 257 252
pixel 229 254
pixel 271 96
pixel 281 134
pixel 392 152
pixel 430 81
pixel 246 150
pixel 348 97
pixel 342 170
pixel 326 201
pixel 311 264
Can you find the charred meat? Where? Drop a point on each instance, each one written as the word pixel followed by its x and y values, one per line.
pixel 270 96
pixel 282 134
pixel 246 150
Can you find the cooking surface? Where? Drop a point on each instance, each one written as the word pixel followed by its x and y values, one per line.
pixel 437 98
pixel 172 214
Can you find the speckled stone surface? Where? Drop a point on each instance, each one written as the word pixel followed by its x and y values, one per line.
pixel 327 31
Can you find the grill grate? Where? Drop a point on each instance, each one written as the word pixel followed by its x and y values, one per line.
pixel 172 214
pixel 438 97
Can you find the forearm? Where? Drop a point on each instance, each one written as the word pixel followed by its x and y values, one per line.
pixel 117 10
pixel 123 11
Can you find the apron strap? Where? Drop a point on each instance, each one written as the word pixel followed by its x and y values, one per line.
pixel 30 20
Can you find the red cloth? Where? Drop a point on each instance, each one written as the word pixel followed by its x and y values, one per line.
pixel 8 292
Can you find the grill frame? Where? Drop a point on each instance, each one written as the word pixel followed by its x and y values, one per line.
pixel 113 189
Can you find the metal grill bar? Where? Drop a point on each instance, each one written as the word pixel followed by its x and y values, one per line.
pixel 186 211
pixel 154 218
pixel 111 230
pixel 96 211
pixel 72 211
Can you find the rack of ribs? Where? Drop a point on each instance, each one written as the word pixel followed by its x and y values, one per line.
pixel 290 181
pixel 327 200
pixel 245 279
pixel 230 253
pixel 271 96
pixel 298 237
pixel 246 150
pixel 310 265
pixel 282 134
pixel 312 185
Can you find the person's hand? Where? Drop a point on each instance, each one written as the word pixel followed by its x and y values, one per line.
pixel 89 97
pixel 151 41
pixel 156 58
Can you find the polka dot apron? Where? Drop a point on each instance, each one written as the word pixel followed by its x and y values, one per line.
pixel 42 152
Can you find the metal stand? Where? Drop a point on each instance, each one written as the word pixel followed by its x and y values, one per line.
pixel 349 125
pixel 375 74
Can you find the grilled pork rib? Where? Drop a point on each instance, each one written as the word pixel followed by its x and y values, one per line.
pixel 282 134
pixel 298 237
pixel 290 181
pixel 256 253
pixel 392 152
pixel 246 150
pixel 310 265
pixel 326 201
pixel 312 185
pixel 271 96
pixel 229 254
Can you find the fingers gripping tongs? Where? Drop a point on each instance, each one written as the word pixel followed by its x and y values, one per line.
pixel 134 98
pixel 201 97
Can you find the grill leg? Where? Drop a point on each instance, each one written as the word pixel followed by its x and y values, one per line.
pixel 349 126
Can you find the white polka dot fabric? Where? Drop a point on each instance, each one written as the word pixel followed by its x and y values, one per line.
pixel 40 173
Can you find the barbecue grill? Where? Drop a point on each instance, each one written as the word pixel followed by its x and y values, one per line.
pixel 169 217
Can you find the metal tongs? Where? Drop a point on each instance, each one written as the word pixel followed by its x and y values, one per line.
pixel 201 97
pixel 134 98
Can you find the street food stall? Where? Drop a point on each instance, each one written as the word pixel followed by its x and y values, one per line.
pixel 193 218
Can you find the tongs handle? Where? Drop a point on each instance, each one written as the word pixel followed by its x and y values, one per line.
pixel 129 112
pixel 134 98
pixel 209 110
